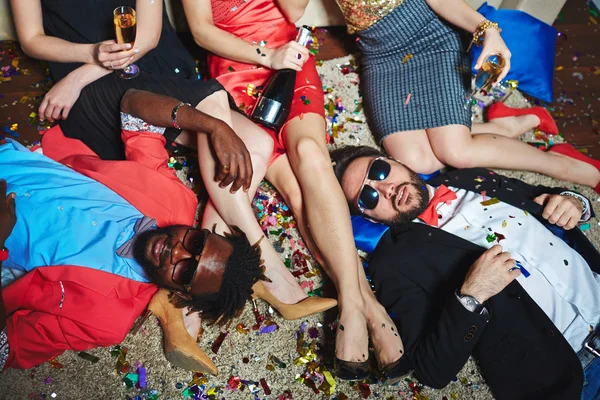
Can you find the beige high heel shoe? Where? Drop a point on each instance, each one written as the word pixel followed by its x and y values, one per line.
pixel 180 348
pixel 301 309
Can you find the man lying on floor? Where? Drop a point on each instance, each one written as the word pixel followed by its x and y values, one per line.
pixel 89 244
pixel 479 264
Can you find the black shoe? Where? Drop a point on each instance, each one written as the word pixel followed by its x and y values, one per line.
pixel 396 371
pixel 351 371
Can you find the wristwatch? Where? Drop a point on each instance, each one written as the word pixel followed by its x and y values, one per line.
pixel 471 303
pixel 3 254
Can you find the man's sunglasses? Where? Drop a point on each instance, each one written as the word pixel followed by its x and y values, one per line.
pixel 185 269
pixel 379 170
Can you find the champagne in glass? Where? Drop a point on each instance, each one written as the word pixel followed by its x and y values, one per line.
pixel 125 21
pixel 486 76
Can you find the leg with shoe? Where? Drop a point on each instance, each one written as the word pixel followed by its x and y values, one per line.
pixel 328 217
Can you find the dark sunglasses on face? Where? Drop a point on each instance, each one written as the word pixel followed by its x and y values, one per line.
pixel 379 170
pixel 185 269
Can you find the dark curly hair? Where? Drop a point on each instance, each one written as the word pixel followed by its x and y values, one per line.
pixel 243 269
pixel 343 156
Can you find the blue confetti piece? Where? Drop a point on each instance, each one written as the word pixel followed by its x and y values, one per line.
pixel 525 273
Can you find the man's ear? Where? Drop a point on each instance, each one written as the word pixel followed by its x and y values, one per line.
pixel 183 295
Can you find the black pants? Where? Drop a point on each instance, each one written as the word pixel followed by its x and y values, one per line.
pixel 95 117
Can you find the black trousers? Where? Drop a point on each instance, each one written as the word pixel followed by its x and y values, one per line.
pixel 95 117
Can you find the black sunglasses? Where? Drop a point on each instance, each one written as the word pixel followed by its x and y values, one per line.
pixel 185 269
pixel 379 170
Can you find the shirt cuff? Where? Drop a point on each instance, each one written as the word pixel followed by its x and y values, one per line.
pixel 3 348
pixel 135 124
pixel 587 208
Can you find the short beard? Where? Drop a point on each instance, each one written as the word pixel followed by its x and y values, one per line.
pixel 422 200
pixel 140 247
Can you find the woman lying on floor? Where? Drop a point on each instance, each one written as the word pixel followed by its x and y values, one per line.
pixel 413 52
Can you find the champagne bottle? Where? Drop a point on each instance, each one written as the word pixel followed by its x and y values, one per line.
pixel 273 105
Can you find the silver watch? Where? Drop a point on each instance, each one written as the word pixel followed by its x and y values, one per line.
pixel 471 303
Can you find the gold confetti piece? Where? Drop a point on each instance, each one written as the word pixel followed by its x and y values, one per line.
pixel 559 68
pixel 504 223
pixel 593 21
pixel 24 99
pixel 492 201
pixel 526 213
pixel 15 62
pixel 406 58
pixel 513 84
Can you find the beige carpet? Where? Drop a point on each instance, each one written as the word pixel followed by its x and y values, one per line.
pixel 246 356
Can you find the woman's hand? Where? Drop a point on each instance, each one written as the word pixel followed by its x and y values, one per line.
pixel 60 99
pixel 291 55
pixel 8 213
pixel 233 159
pixel 493 44
pixel 111 55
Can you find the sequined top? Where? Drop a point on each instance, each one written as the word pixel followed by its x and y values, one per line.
pixel 361 14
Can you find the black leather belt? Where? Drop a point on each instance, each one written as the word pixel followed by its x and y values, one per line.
pixel 591 348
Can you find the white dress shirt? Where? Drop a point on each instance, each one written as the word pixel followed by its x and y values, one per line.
pixel 560 280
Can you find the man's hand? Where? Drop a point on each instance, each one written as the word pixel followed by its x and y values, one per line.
pixel 8 213
pixel 233 159
pixel 490 274
pixel 564 211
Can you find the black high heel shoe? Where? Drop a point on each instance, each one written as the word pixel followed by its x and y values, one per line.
pixel 351 371
pixel 396 371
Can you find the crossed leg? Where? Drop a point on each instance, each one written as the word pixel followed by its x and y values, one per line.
pixel 328 217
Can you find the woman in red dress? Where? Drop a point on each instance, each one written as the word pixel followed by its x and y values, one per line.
pixel 248 41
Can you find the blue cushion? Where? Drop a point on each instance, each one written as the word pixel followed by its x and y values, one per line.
pixel 531 43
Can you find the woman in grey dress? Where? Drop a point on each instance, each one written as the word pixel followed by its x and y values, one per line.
pixel 415 78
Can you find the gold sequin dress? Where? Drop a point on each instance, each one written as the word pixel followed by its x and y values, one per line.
pixel 414 69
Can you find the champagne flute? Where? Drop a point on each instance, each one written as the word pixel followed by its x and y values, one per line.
pixel 486 76
pixel 125 21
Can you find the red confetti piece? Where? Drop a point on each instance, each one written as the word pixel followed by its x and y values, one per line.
pixel 265 387
pixel 218 342
pixel 407 99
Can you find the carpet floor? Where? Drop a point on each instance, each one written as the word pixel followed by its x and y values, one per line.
pixel 280 359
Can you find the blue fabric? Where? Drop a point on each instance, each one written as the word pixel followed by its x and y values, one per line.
pixel 591 381
pixel 367 233
pixel 65 218
pixel 531 43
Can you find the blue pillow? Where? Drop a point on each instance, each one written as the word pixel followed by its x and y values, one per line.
pixel 531 43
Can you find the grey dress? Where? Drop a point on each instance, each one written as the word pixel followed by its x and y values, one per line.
pixel 429 89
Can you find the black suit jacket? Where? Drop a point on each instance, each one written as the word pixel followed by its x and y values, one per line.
pixel 417 268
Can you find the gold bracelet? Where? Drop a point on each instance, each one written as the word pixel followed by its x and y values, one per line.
pixel 480 32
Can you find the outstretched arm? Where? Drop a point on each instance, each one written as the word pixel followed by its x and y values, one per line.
pixel 459 13
pixel 227 146
pixel 226 45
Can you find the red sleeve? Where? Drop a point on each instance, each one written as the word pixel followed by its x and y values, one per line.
pixel 144 179
pixel 97 309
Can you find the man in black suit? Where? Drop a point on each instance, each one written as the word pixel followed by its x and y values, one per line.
pixel 479 264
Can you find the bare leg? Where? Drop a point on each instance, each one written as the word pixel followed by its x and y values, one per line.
pixel 329 221
pixel 280 174
pixel 226 208
pixel 511 127
pixel 412 148
pixel 455 146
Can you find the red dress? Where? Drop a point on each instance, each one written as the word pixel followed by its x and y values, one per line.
pixel 259 21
